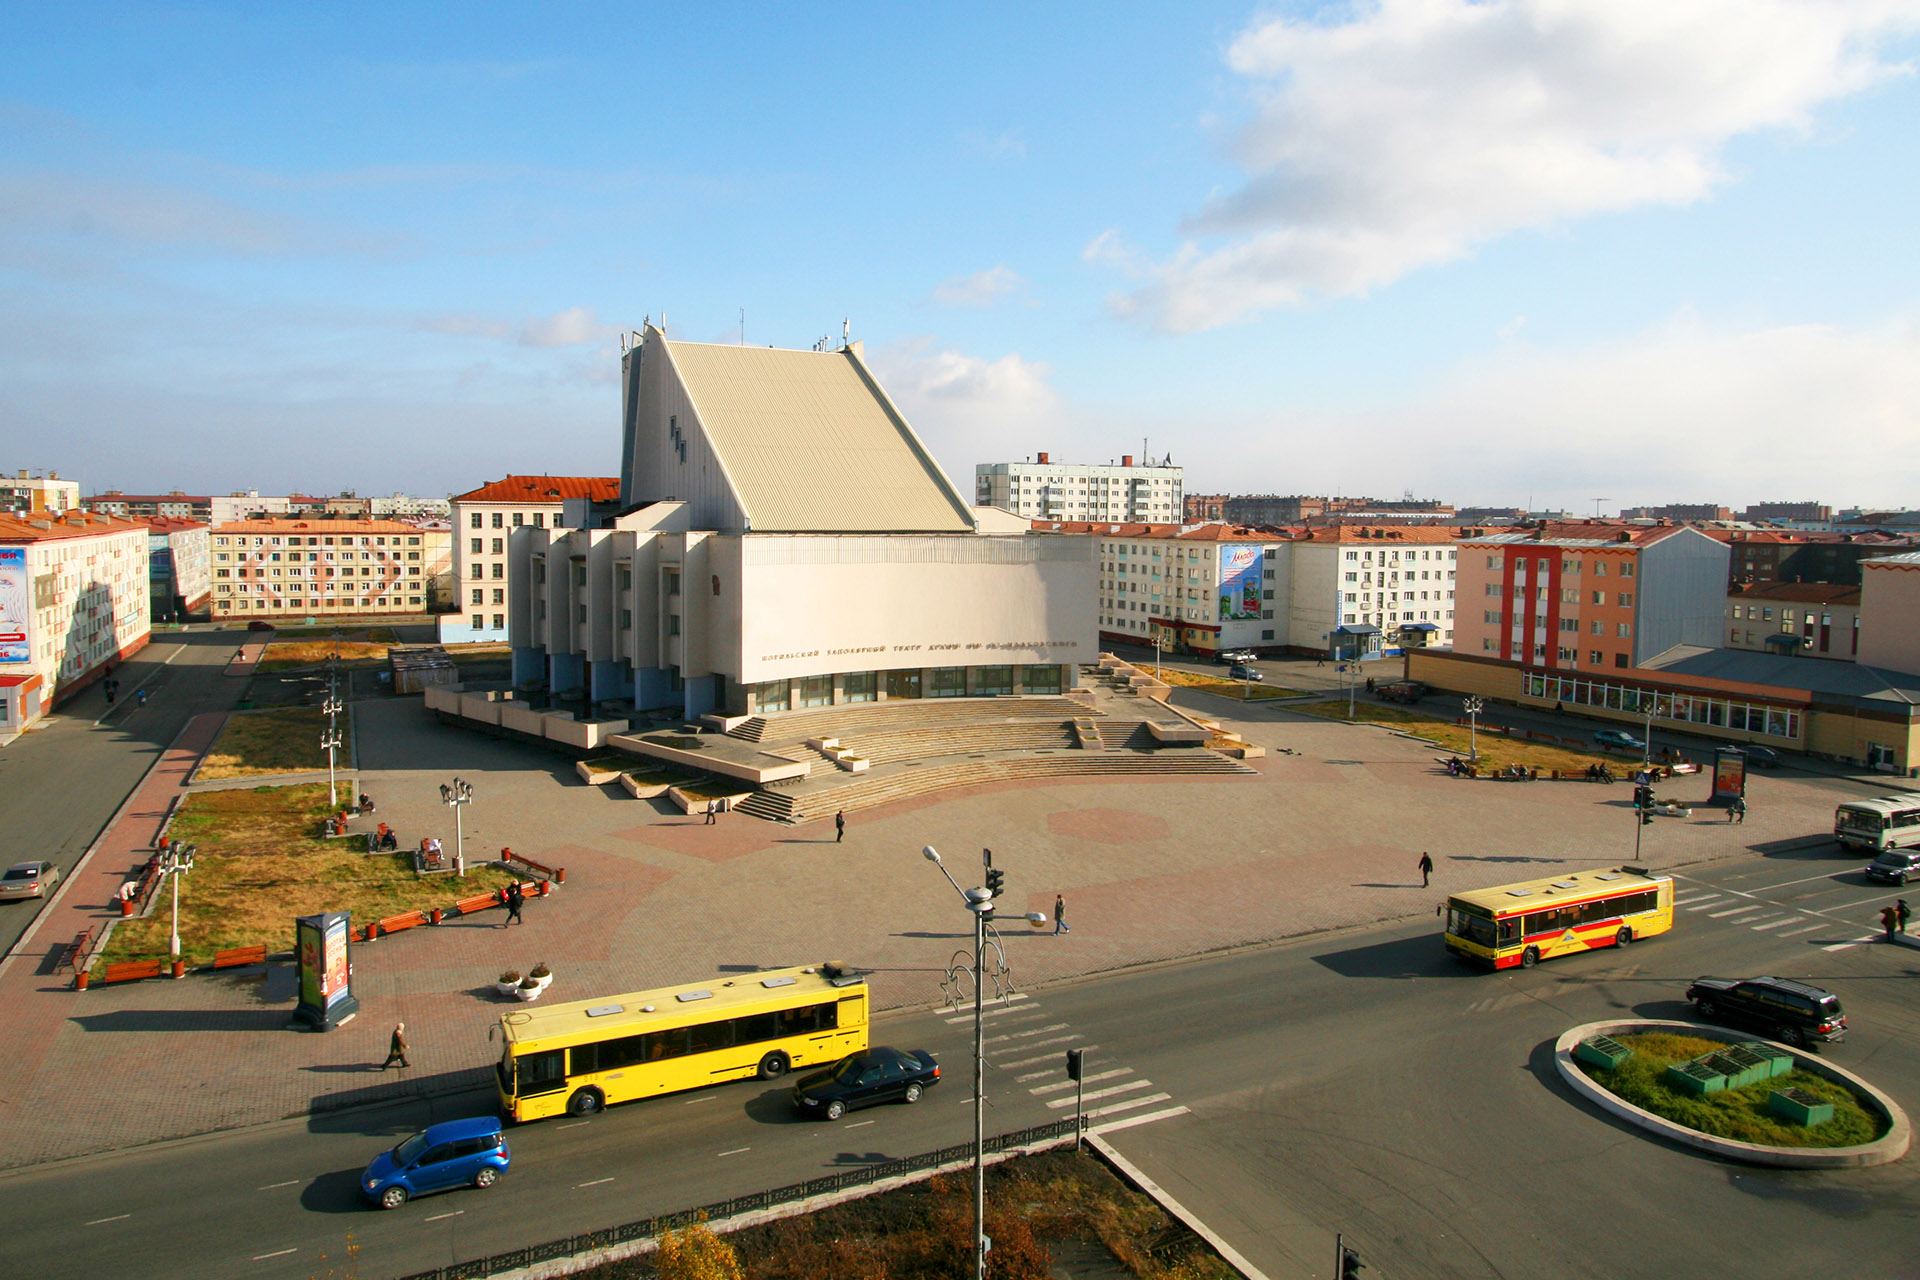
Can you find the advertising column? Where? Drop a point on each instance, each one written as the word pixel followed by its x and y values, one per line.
pixel 324 966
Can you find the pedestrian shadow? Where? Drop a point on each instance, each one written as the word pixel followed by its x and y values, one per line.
pixel 923 934
pixel 186 1020
pixel 1419 957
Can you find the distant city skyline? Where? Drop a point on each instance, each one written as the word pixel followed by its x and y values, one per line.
pixel 1509 253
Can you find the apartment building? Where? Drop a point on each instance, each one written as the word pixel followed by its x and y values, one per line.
pixel 1148 493
pixel 1206 508
pixel 483 521
pixel 402 504
pixel 179 568
pixel 289 566
pixel 1372 589
pixel 1778 555
pixel 30 495
pixel 1807 619
pixel 175 504
pixel 73 601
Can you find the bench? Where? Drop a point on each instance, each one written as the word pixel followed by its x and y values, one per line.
pixel 509 857
pixel 130 971
pixel 478 902
pixel 238 956
pixel 393 924
pixel 74 953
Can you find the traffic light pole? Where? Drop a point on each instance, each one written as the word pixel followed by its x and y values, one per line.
pixel 980 1244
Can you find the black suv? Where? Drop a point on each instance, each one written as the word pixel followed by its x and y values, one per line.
pixel 1791 1011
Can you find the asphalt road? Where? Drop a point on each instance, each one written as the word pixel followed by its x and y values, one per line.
pixel 61 783
pixel 1361 1082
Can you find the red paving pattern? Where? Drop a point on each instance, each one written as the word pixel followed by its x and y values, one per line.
pixel 1108 826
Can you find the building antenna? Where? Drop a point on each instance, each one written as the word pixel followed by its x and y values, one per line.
pixel 846 331
pixel 743 326
pixel 1596 507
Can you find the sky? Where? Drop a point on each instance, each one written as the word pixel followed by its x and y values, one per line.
pixel 1573 254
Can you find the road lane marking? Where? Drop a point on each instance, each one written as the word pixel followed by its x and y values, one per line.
pixel 857 1125
pixel 1704 905
pixel 1842 946
pixel 275 1186
pixel 1131 1121
pixel 737 1151
pixel 1131 1104
pixel 1022 1035
pixel 966 1010
pixel 1784 884
pixel 705 1097
pixel 262 1257
pixel 1068 1084
pixel 1069 1038
pixel 574 1125
pixel 595 1183
pixel 1774 924
pixel 1128 1087
pixel 1043 1057
pixel 438 1216
pixel 115 1218
pixel 1733 911
pixel 1683 899
pixel 1811 928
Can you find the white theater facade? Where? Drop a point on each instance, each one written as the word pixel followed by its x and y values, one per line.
pixel 785 541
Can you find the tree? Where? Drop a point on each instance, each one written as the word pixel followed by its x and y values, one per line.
pixel 697 1254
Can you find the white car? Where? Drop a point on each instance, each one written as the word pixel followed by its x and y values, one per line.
pixel 29 880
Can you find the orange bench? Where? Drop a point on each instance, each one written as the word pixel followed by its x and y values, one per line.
pixel 393 924
pixel 552 873
pixel 75 952
pixel 131 971
pixel 240 955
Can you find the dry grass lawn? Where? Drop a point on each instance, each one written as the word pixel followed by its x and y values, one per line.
pixel 257 743
pixel 1496 750
pixel 261 862
pixel 1222 685
pixel 358 646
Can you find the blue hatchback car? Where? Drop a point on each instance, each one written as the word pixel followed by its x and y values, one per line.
pixel 459 1153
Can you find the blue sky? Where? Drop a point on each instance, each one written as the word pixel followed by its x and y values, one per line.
pixel 1510 251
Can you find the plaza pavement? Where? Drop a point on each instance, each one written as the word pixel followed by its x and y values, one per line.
pixel 1151 870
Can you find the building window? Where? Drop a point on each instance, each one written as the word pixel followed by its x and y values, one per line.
pixel 499 622
pixel 993 680
pixel 816 691
pixel 1041 678
pixel 673 582
pixel 499 595
pixel 770 696
pixel 1619 659
pixel 1595 657
pixel 859 686
pixel 498 520
pixel 479 596
pixel 539 519
pixel 673 624
pixel 499 571
pixel 516 519
pixel 499 546
pixel 946 682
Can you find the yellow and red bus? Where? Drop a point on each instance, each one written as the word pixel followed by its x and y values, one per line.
pixel 1523 924
pixel 577 1058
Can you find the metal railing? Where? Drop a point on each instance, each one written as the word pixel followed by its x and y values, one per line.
pixel 648 1228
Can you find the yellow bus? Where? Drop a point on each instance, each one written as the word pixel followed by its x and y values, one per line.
pixel 1523 924
pixel 577 1058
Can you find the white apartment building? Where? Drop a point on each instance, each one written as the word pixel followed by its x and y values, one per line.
pixel 73 601
pixel 1048 490
pixel 284 567
pixel 404 504
pixel 1372 588
pixel 30 495
pixel 483 519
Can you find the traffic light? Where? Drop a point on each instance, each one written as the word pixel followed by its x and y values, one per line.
pixel 1350 1265
pixel 996 880
pixel 1646 818
pixel 1074 1059
pixel 1643 797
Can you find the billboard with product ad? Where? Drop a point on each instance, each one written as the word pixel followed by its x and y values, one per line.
pixel 15 604
pixel 1239 583
pixel 324 969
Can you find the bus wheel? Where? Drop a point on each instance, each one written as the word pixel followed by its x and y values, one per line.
pixel 585 1102
pixel 1530 957
pixel 773 1066
pixel 1624 938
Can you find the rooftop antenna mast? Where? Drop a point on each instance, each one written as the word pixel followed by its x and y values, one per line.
pixel 743 326
pixel 1596 507
pixel 846 331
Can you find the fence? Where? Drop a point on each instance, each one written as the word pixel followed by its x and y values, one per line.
pixel 648 1228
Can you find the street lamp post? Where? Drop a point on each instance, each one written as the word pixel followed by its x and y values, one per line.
pixel 980 903
pixel 456 797
pixel 1473 707
pixel 330 740
pixel 1646 736
pixel 174 863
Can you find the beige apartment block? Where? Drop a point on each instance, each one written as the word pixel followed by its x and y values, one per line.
pixel 483 520
pixel 288 567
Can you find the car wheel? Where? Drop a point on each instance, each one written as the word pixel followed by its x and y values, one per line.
pixel 1530 957
pixel 1624 938
pixel 1793 1036
pixel 393 1197
pixel 1707 1008
pixel 913 1093
pixel 836 1109
pixel 585 1102
pixel 484 1178
pixel 773 1066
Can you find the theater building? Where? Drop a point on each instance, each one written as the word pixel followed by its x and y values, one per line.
pixel 785 540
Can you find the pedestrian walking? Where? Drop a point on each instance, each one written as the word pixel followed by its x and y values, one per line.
pixel 141 696
pixel 840 826
pixel 713 807
pixel 1890 920
pixel 1737 811
pixel 397 1047
pixel 1369 684
pixel 1901 913
pixel 1060 916
pixel 515 900
pixel 1426 869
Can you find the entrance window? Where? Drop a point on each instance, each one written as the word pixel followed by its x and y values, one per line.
pixel 903 684
pixel 816 691
pixel 993 680
pixel 770 696
pixel 1044 678
pixel 947 682
pixel 859 686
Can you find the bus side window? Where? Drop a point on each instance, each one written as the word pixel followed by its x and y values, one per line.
pixel 666 1044
pixel 1509 930
pixel 708 1036
pixel 754 1027
pixel 540 1072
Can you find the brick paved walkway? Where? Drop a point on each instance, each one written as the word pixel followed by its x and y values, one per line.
pixel 1150 870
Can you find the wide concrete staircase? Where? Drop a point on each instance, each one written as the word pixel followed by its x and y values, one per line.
pixel 845 722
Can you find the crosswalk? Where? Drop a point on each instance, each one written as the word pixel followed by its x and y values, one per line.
pixel 1115 1096
pixel 1761 916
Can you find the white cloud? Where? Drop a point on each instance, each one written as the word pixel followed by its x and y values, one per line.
pixel 1685 413
pixel 979 289
pixel 1413 131
pixel 576 326
pixel 967 408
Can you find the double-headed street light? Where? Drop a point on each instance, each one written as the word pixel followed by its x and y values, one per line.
pixel 456 797
pixel 174 863
pixel 1473 707
pixel 980 903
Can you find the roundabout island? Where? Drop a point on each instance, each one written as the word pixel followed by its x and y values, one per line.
pixel 1702 1084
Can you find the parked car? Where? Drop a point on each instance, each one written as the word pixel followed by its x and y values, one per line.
pixel 1618 738
pixel 1240 671
pixel 1758 756
pixel 1227 657
pixel 1796 1012
pixel 1895 866
pixel 259 624
pixel 881 1074
pixel 1402 691
pixel 29 880
pixel 457 1153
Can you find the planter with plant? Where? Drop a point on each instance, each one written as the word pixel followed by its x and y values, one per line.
pixel 509 982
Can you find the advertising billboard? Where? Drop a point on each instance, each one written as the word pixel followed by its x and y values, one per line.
pixel 324 969
pixel 1239 583
pixel 1729 775
pixel 14 604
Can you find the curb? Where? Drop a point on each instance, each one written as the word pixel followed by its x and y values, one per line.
pixel 1883 1150
pixel 1174 1208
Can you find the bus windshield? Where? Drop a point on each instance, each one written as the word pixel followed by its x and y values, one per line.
pixel 1470 925
pixel 1862 819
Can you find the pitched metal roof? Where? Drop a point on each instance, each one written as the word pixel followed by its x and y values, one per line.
pixel 810 443
pixel 544 489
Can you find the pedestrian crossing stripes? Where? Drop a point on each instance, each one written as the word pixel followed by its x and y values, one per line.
pixel 1110 1091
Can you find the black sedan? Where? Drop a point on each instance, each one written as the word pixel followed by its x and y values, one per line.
pixel 878 1075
